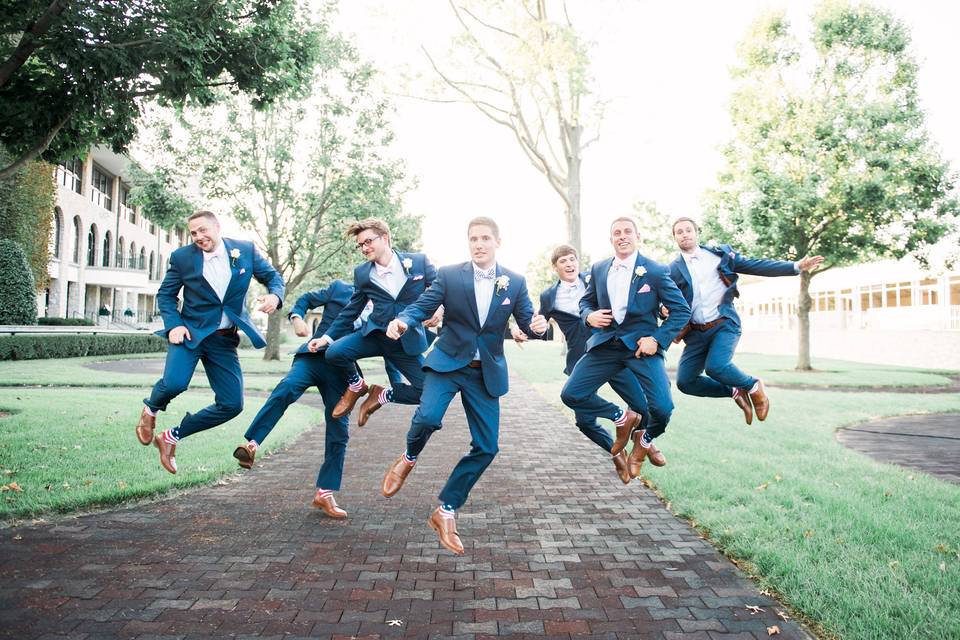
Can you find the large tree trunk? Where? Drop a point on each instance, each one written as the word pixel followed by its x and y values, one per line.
pixel 803 328
pixel 573 190
pixel 272 350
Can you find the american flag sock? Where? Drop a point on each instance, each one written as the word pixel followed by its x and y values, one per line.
pixel 355 383
pixel 447 511
pixel 150 411
pixel 171 436
pixel 755 387
pixel 736 392
pixel 386 395
pixel 645 440
pixel 620 418
pixel 253 444
pixel 323 493
pixel 409 459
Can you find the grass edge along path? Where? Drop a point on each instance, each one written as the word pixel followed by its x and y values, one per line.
pixel 858 548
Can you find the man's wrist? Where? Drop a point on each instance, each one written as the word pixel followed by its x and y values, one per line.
pixel 295 316
pixel 796 267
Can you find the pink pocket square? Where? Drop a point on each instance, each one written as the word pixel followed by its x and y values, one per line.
pixel 242 271
pixel 505 302
pixel 420 277
pixel 644 289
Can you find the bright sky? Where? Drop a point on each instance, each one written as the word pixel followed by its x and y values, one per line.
pixel 664 67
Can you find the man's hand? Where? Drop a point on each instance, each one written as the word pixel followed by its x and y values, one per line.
pixel 300 327
pixel 396 328
pixel 809 263
pixel 600 318
pixel 177 335
pixel 646 346
pixel 268 303
pixel 518 336
pixel 538 325
pixel 319 343
pixel 435 319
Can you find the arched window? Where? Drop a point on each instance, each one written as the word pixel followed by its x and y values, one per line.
pixel 120 256
pixel 76 239
pixel 152 271
pixel 56 233
pixel 132 258
pixel 92 246
pixel 107 245
pixel 142 262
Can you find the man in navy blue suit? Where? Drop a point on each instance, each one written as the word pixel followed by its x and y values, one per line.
pixel 707 277
pixel 391 280
pixel 478 298
pixel 561 303
pixel 622 302
pixel 214 274
pixel 310 368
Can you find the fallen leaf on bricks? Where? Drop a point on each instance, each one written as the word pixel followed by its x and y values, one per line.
pixel 773 631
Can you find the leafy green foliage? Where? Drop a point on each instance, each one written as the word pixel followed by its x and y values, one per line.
pixel 26 213
pixel 159 194
pixel 18 301
pixel 653 227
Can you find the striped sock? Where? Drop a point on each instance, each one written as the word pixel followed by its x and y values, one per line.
pixel 645 440
pixel 171 436
pixel 355 383
pixel 409 459
pixel 253 444
pixel 386 395
pixel 447 511
pixel 150 411
pixel 323 493
pixel 736 392
pixel 755 387
pixel 620 418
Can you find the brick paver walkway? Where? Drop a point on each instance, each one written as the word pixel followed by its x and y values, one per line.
pixel 555 547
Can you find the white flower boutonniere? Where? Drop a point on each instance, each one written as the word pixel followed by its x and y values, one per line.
pixel 407 263
pixel 639 272
pixel 234 256
pixel 586 279
pixel 502 283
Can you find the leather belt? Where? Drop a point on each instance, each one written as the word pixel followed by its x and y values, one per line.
pixel 475 364
pixel 229 331
pixel 707 325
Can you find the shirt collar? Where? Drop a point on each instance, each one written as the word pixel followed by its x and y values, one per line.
pixel 393 266
pixel 696 255
pixel 219 252
pixel 628 262
pixel 492 269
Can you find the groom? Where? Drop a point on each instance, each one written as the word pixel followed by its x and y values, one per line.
pixel 214 274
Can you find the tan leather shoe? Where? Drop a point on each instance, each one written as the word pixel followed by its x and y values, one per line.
pixel 329 506
pixel 624 432
pixel 348 400
pixel 744 403
pixel 622 466
pixel 245 454
pixel 761 403
pixel 395 476
pixel 370 405
pixel 637 455
pixel 145 427
pixel 168 453
pixel 446 528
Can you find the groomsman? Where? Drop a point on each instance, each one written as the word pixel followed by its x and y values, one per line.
pixel 478 297
pixel 391 280
pixel 310 368
pixel 622 302
pixel 707 277
pixel 214 274
pixel 561 303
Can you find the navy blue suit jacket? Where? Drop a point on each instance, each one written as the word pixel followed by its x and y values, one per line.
pixel 731 264
pixel 574 330
pixel 333 299
pixel 647 293
pixel 462 336
pixel 202 309
pixel 420 275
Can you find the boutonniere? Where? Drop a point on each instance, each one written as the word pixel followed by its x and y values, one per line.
pixel 407 263
pixel 502 283
pixel 639 272
pixel 586 278
pixel 234 256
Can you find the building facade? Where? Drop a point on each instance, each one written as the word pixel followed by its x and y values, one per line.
pixel 105 255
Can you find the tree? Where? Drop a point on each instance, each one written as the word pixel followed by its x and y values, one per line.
pixel 653 226
pixel 18 297
pixel 831 154
pixel 73 73
pixel 27 199
pixel 296 172
pixel 528 72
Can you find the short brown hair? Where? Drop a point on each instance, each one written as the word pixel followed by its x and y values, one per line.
pixel 561 251
pixel 203 214
pixel 673 227
pixel 484 220
pixel 376 224
pixel 626 219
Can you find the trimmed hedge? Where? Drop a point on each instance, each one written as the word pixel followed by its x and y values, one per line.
pixel 18 295
pixel 65 322
pixel 36 347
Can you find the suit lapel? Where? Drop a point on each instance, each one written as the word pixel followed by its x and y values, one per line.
pixel 466 275
pixel 492 309
pixel 551 298
pixel 227 246
pixel 632 291
pixel 409 278
pixel 603 298
pixel 684 271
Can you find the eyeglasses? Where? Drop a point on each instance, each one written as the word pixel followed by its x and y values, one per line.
pixel 366 243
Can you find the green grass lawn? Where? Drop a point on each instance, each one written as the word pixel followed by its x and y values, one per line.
pixel 68 449
pixel 866 550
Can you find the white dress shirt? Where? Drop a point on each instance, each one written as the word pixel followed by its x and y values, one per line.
pixel 217 272
pixel 618 285
pixel 708 288
pixel 390 278
pixel 568 296
pixel 483 294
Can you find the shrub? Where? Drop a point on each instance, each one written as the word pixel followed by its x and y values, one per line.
pixel 34 347
pixel 18 296
pixel 65 322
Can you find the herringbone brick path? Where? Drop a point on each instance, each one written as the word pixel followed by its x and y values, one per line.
pixel 555 547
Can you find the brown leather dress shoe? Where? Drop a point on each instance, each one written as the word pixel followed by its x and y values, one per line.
pixel 744 403
pixel 145 427
pixel 637 455
pixel 168 453
pixel 395 477
pixel 655 456
pixel 370 405
pixel 245 454
pixel 623 468
pixel 348 400
pixel 329 506
pixel 761 403
pixel 446 528
pixel 624 432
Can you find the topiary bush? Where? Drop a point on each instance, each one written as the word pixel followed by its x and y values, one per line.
pixel 18 296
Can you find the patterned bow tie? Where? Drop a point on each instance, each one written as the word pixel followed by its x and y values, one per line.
pixel 383 272
pixel 489 274
pixel 619 265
